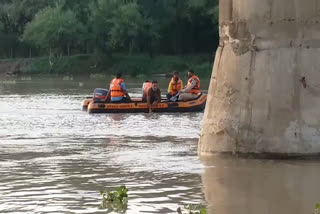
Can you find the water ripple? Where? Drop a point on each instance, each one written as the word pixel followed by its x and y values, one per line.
pixel 55 158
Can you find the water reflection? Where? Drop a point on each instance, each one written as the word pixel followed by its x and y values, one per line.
pixel 242 186
pixel 116 118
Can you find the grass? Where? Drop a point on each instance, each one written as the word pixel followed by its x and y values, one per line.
pixel 65 65
pixel 134 65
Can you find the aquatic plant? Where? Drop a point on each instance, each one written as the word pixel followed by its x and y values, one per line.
pixel 119 195
pixel 317 208
pixel 192 209
pixel 115 200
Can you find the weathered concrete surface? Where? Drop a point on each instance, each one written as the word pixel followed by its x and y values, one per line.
pixel 257 101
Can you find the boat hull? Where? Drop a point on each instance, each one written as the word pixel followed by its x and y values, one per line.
pixel 197 105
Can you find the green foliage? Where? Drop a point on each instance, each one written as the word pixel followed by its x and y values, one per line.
pixel 119 195
pixel 140 66
pixel 142 77
pixel 192 209
pixel 115 200
pixel 54 30
pixel 15 14
pixel 150 27
pixel 317 208
pixel 1 27
pixel 128 26
pixel 77 64
pixel 80 7
pixel 203 70
pixel 121 25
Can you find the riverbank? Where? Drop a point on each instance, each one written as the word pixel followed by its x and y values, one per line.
pixel 134 65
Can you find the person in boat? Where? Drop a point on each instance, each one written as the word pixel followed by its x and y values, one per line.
pixel 192 89
pixel 145 87
pixel 153 95
pixel 175 85
pixel 118 92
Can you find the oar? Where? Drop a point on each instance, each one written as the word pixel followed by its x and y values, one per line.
pixel 174 98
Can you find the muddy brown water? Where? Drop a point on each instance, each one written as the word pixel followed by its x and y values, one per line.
pixel 54 158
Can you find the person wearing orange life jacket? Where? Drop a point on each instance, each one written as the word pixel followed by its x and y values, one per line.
pixel 117 91
pixel 175 85
pixel 192 89
pixel 145 87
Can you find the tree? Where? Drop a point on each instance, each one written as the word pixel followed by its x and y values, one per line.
pixel 128 26
pixel 80 7
pixel 14 14
pixel 123 25
pixel 203 16
pixel 162 13
pixel 106 26
pixel 54 30
pixel 1 27
pixel 208 8
pixel 100 13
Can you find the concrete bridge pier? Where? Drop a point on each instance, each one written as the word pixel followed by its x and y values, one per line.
pixel 264 95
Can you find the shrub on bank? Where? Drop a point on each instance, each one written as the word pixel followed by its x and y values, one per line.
pixel 134 65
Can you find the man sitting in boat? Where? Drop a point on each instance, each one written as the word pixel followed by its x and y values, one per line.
pixel 153 95
pixel 175 85
pixel 118 92
pixel 192 89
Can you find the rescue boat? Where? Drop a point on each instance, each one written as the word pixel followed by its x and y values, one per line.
pixel 97 104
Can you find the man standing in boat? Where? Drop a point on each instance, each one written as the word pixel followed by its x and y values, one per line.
pixel 118 92
pixel 153 95
pixel 175 85
pixel 192 89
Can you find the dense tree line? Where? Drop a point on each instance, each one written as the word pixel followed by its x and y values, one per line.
pixel 65 27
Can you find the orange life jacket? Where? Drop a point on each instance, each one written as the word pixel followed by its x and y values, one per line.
pixel 146 87
pixel 175 86
pixel 196 88
pixel 115 88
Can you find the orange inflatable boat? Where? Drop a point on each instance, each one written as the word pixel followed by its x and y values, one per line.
pixel 97 105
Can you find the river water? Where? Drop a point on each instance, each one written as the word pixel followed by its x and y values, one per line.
pixel 55 158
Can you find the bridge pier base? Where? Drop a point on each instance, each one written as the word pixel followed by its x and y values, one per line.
pixel 264 95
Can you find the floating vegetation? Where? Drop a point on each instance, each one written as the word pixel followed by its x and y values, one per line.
pixel 115 200
pixel 317 208
pixel 192 209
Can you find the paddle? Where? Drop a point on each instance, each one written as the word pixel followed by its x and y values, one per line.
pixel 174 98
